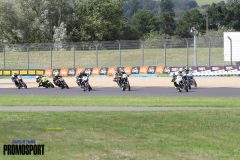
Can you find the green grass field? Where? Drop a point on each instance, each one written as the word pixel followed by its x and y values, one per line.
pixel 110 58
pixel 175 135
pixel 117 101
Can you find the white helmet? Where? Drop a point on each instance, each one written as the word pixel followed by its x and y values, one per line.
pixel 180 69
pixel 37 77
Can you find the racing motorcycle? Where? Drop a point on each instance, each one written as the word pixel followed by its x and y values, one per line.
pixel 123 82
pixel 84 83
pixel 180 83
pixel 19 83
pixel 46 83
pixel 60 82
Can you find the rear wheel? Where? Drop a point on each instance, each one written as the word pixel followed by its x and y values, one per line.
pixel 51 85
pixel 186 88
pixel 129 87
pixel 124 87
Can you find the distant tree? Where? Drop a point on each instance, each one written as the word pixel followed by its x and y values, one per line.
pixel 98 20
pixel 167 23
pixel 8 23
pixel 216 14
pixel 192 18
pixel 167 6
pixel 232 15
pixel 145 21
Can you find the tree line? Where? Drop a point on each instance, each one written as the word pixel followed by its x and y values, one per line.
pixel 39 21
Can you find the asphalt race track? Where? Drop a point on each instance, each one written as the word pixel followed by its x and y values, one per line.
pixel 114 91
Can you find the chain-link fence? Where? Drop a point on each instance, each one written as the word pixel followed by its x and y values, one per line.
pixel 113 53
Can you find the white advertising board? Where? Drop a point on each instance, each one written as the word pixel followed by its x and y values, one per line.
pixel 235 36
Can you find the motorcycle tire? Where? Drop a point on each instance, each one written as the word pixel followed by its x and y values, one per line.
pixel 189 86
pixel 66 86
pixel 24 85
pixel 129 87
pixel 179 90
pixel 186 88
pixel 194 83
pixel 51 85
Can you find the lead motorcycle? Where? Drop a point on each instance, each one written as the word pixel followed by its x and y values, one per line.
pixel 180 83
pixel 83 82
pixel 19 82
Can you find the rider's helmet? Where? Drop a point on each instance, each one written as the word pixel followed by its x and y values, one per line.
pixel 180 71
pixel 80 73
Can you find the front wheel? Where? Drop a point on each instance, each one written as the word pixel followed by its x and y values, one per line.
pixel 24 85
pixel 66 86
pixel 194 83
pixel 51 85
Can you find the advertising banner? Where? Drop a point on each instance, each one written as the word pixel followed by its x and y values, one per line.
pixel 39 72
pixel 48 72
pixel 15 71
pixel 167 70
pixel 135 70
pixel 151 69
pixel 23 72
pixel 217 68
pixel 203 68
pixel 128 70
pixel 1 73
pixel 71 72
pixel 64 72
pixel 111 71
pixel 143 70
pixel 103 71
pixel 78 70
pixel 32 72
pixel 159 70
pixel 230 68
pixel 96 71
pixel 120 68
pixel 7 72
pixel 56 72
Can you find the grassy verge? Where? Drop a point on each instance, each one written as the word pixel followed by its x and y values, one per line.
pixel 127 135
pixel 110 58
pixel 117 101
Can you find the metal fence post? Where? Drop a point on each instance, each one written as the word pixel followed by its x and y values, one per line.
pixel 96 54
pixel 142 42
pixel 74 57
pixel 165 54
pixel 4 57
pixel 230 49
pixel 28 58
pixel 120 54
pixel 209 52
